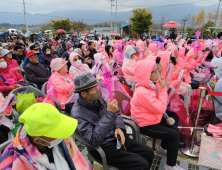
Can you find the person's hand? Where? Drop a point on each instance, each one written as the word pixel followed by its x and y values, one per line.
pixel 17 69
pixel 185 71
pixel 178 81
pixel 87 53
pixel 12 87
pixel 162 82
pixel 200 52
pixel 86 59
pixel 112 106
pixel 168 84
pixel 14 102
pixel 121 134
pixel 115 59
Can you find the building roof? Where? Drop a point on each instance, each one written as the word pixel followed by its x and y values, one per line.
pixel 124 25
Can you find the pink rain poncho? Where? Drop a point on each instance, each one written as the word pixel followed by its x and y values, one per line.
pixel 147 106
pixel 119 53
pixel 97 72
pixel 129 65
pixel 74 70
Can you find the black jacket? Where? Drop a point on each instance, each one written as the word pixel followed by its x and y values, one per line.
pixel 37 73
pixel 96 125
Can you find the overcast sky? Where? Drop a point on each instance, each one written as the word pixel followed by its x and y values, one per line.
pixel 46 6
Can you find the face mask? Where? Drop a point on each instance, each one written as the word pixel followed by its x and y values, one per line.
pixel 3 64
pixel 48 52
pixel 78 62
pixel 95 97
pixel 104 61
pixel 71 49
pixel 53 143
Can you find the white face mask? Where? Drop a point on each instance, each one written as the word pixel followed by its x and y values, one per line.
pixel 71 49
pixel 3 64
pixel 48 52
pixel 53 143
pixel 104 61
pixel 78 62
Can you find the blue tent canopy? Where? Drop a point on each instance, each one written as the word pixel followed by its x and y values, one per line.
pixel 4 33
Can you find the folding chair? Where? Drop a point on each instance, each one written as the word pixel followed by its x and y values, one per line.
pixel 23 71
pixel 133 87
pixel 32 84
pixel 4 145
pixel 129 121
pixel 28 89
pixel 99 150
pixel 44 91
pixel 123 80
pixel 214 120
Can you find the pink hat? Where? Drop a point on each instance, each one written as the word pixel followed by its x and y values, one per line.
pixel 57 63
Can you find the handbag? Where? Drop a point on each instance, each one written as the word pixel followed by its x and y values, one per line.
pixel 210 152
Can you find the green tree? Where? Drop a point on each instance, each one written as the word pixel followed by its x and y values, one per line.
pixel 23 30
pixel 79 26
pixel 141 20
pixel 200 18
pixel 190 31
pixel 205 29
pixel 65 24
pixel 45 27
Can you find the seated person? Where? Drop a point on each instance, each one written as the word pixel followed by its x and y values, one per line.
pixel 5 46
pixel 100 124
pixel 90 53
pixel 77 65
pixel 129 64
pixel 148 106
pixel 62 83
pixel 119 53
pixel 18 54
pixel 40 58
pixel 11 62
pixel 69 47
pixel 7 73
pixel 47 56
pixel 6 124
pixel 218 88
pixel 39 143
pixel 36 72
pixel 54 52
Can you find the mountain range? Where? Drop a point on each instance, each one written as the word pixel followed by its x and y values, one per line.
pixel 175 13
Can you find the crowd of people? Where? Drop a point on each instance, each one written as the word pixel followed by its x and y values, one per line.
pixel 74 73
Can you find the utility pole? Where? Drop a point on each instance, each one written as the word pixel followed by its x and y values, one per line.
pixel 111 15
pixel 166 17
pixel 217 12
pixel 26 24
pixel 184 22
pixel 115 15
